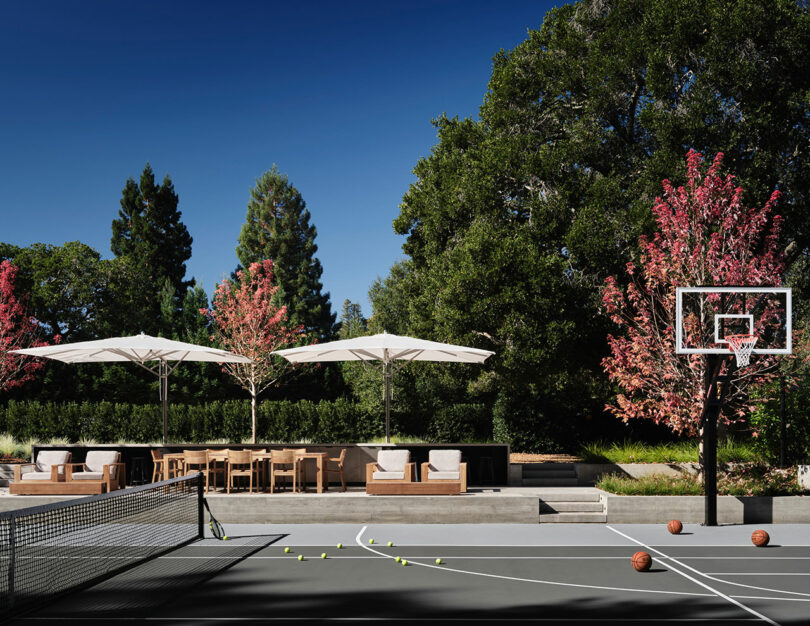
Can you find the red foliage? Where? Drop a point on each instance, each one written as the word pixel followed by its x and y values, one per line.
pixel 18 330
pixel 248 320
pixel 704 237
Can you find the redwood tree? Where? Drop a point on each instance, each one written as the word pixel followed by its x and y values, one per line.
pixel 704 237
pixel 18 330
pixel 248 320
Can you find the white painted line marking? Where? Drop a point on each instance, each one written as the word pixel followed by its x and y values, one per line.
pixel 695 580
pixel 444 568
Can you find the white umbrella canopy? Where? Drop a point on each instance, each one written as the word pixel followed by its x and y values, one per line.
pixel 387 349
pixel 139 349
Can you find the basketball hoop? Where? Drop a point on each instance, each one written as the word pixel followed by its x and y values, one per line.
pixel 742 345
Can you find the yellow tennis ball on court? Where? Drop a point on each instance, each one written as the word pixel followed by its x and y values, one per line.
pixel 323 555
pixel 371 541
pixel 390 543
pixel 404 562
pixel 225 538
pixel 398 559
pixel 340 545
pixel 287 549
pixel 438 561
pixel 300 557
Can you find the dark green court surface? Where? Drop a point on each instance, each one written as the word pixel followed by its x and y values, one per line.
pixel 489 573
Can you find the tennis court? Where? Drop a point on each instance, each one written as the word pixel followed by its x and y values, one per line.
pixel 548 573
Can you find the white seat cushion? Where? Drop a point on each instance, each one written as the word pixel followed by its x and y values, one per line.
pixel 46 458
pixel 36 476
pixel 97 459
pixel 87 475
pixel 388 475
pixel 444 460
pixel 393 460
pixel 444 475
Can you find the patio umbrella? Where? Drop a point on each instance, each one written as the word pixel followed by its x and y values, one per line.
pixel 387 349
pixel 141 350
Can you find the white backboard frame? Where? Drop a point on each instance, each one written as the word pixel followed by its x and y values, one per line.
pixel 680 291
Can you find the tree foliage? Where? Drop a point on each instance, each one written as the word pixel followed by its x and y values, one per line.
pixel 277 227
pixel 247 320
pixel 150 232
pixel 18 330
pixel 704 236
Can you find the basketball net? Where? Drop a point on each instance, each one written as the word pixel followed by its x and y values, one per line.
pixel 742 346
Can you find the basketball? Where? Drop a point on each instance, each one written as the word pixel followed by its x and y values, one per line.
pixel 675 527
pixel 760 538
pixel 641 561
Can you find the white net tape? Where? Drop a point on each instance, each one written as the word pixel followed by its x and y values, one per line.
pixel 743 346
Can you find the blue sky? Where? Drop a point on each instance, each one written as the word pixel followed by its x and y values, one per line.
pixel 338 94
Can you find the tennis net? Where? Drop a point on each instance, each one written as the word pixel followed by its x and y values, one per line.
pixel 50 549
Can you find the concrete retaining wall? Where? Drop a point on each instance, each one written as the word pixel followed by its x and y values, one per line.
pixel 591 472
pixel 690 509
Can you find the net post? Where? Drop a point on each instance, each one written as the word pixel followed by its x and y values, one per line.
pixel 12 558
pixel 200 531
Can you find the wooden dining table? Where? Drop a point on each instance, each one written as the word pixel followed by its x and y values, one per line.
pixel 320 458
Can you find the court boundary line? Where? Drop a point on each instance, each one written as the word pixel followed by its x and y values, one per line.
pixel 695 580
pixel 531 580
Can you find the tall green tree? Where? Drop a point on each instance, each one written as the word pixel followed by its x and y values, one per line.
pixel 517 218
pixel 277 226
pixel 149 230
pixel 352 322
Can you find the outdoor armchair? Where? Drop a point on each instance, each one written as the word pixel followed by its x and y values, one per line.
pixel 285 463
pixel 50 465
pixel 197 461
pixel 338 470
pixel 391 466
pixel 445 466
pixel 100 466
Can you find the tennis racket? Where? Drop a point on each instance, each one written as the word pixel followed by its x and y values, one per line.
pixel 213 524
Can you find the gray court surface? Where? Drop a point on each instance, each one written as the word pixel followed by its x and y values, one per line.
pixel 489 573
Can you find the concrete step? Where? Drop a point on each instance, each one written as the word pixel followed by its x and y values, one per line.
pixel 571 507
pixel 573 518
pixel 548 474
pixel 550 482
pixel 569 495
pixel 568 467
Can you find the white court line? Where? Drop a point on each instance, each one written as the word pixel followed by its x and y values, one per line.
pixel 529 580
pixel 695 580
pixel 758 574
pixel 262 618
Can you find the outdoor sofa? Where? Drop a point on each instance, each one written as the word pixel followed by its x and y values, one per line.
pixel 45 476
pixel 101 471
pixel 445 466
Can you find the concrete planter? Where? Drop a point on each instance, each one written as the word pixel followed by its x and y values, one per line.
pixel 6 473
pixel 591 472
pixel 803 476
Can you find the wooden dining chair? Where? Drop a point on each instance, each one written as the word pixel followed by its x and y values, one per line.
pixel 218 466
pixel 197 461
pixel 157 464
pixel 240 463
pixel 338 470
pixel 283 463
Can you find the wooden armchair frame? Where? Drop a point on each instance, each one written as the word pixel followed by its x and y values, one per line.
pixel 106 483
pixel 462 476
pixel 53 486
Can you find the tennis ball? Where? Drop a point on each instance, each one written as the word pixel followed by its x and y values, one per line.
pixel 398 559
pixel 371 541
pixel 323 555
pixel 404 562
pixel 287 549
pixel 300 557
pixel 225 538
pixel 340 545
pixel 390 543
pixel 438 561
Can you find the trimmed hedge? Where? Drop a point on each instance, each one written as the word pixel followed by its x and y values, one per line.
pixel 107 422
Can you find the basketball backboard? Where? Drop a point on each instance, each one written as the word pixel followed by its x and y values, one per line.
pixel 705 316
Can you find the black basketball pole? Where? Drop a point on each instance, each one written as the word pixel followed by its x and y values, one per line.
pixel 710 413
pixel 782 423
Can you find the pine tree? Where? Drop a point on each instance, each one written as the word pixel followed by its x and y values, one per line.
pixel 149 231
pixel 352 322
pixel 277 227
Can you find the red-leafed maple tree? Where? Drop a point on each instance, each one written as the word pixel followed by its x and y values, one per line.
pixel 248 321
pixel 704 237
pixel 18 330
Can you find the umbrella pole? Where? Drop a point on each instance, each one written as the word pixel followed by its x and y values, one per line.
pixel 164 393
pixel 388 402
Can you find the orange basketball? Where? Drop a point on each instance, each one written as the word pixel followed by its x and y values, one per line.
pixel 641 561
pixel 675 527
pixel 760 538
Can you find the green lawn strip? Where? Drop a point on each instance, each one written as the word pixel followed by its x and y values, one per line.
pixel 677 452
pixel 744 480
